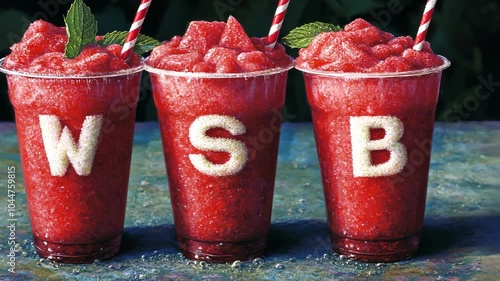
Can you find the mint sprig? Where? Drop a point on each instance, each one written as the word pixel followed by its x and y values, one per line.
pixel 302 36
pixel 143 44
pixel 81 28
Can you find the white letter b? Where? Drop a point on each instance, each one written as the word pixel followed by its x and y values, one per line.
pixel 362 146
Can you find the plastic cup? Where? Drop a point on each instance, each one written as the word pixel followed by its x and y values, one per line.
pixel 75 138
pixel 220 135
pixel 374 134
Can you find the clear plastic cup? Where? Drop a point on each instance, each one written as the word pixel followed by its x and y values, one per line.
pixel 75 138
pixel 374 134
pixel 220 135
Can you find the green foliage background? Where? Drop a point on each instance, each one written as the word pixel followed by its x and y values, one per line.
pixel 466 32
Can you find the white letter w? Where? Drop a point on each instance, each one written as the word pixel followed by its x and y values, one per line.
pixel 61 149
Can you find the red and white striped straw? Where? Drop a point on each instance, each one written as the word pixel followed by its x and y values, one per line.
pixel 133 34
pixel 278 19
pixel 424 25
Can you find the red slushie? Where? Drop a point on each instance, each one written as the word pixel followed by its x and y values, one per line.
pixel 219 96
pixel 75 123
pixel 373 100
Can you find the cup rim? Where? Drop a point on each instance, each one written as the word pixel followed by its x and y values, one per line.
pixel 421 72
pixel 118 73
pixel 267 72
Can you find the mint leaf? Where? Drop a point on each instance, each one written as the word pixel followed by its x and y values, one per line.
pixel 143 44
pixel 81 28
pixel 302 36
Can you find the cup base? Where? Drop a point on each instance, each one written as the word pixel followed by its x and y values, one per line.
pixel 77 253
pixel 376 251
pixel 222 251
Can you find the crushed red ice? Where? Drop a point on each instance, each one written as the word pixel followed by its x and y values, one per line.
pixel 217 47
pixel 41 51
pixel 362 47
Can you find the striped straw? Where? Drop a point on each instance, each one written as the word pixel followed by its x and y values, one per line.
pixel 424 25
pixel 133 34
pixel 278 19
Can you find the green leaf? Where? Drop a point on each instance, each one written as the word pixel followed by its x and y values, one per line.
pixel 302 36
pixel 143 44
pixel 81 28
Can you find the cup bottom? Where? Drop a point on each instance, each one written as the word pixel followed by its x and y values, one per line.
pixel 77 253
pixel 376 251
pixel 222 251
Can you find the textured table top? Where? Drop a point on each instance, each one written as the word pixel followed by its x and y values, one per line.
pixel 461 239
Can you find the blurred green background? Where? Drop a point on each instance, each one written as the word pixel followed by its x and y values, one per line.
pixel 466 32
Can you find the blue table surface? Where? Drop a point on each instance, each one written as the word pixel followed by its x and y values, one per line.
pixel 461 239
